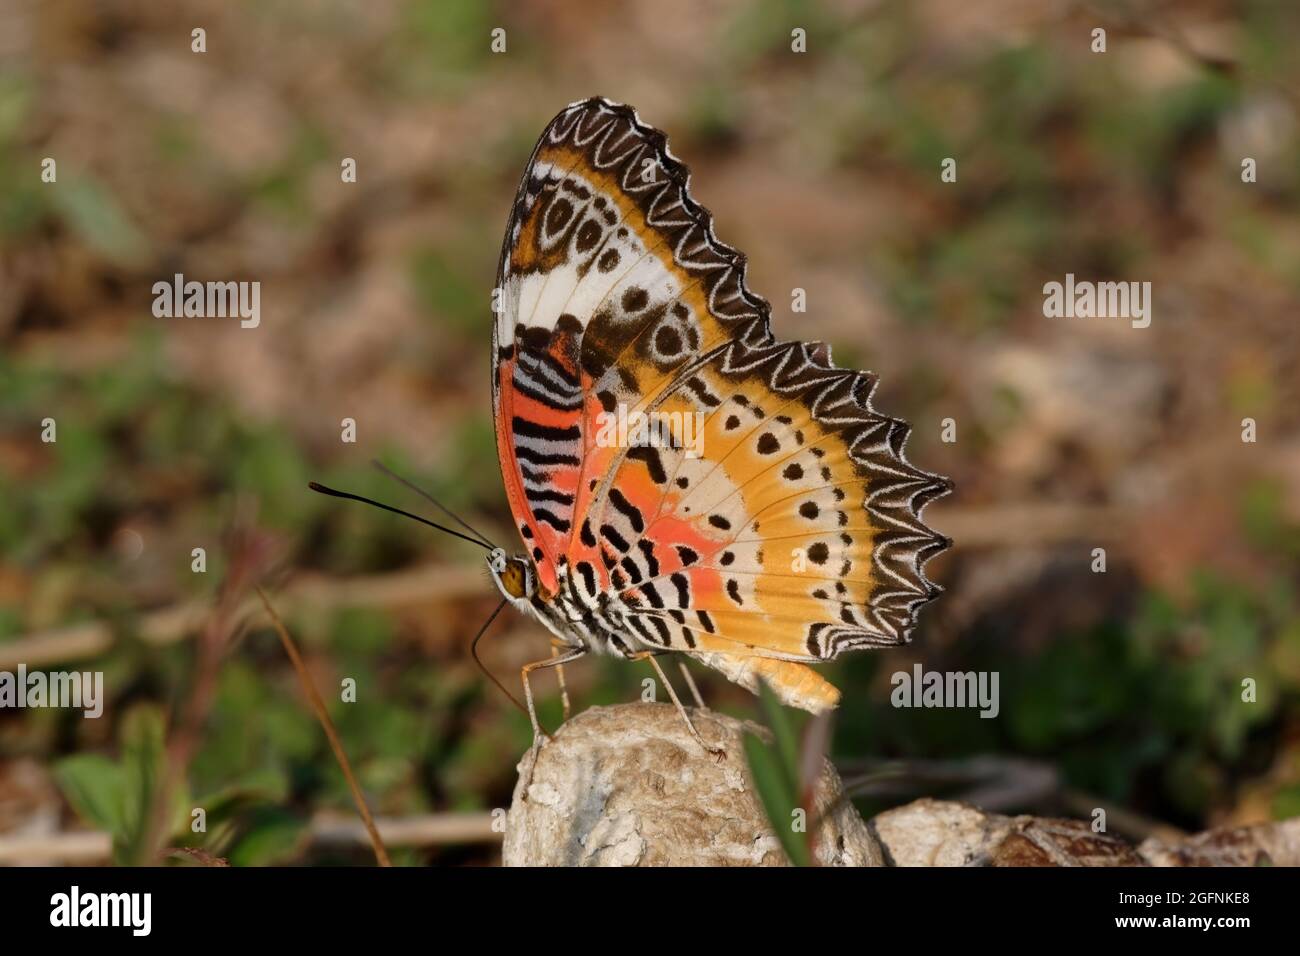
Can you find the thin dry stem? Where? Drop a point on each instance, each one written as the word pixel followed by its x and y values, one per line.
pixel 318 705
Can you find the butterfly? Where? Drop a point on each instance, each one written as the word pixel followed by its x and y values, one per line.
pixel 785 530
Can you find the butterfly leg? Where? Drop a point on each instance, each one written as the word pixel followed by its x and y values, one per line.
pixel 717 752
pixel 690 682
pixel 559 675
pixel 539 735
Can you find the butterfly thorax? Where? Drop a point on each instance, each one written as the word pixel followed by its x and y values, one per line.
pixel 566 613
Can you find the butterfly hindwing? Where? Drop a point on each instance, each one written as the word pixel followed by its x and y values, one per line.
pixel 800 520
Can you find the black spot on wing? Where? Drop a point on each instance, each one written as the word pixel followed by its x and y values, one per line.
pixel 539 458
pixel 610 534
pixel 647 548
pixel 652 594
pixel 554 520
pixel 627 509
pixel 683 585
pixel 549 494
pixel 733 591
pixel 588 575
pixel 652 460
pixel 530 429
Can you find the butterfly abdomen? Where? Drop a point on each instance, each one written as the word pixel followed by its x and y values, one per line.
pixel 796 685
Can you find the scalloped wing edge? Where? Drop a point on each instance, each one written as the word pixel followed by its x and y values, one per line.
pixel 897 491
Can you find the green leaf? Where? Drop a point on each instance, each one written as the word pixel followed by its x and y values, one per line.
pixel 228 809
pixel 775 771
pixel 778 798
pixel 144 737
pixel 95 216
pixel 93 785
pixel 265 784
pixel 1286 803
pixel 783 732
pixel 273 835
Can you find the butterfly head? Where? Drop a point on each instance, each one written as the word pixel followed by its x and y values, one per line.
pixel 513 575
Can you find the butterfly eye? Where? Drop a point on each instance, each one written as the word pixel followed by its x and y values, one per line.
pixel 512 579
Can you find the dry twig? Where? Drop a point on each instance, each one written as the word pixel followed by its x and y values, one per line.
pixel 318 705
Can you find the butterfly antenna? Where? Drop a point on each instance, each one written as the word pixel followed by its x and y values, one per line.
pixel 433 501
pixel 322 489
pixel 473 650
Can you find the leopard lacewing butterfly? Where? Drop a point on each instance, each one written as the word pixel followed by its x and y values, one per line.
pixel 784 530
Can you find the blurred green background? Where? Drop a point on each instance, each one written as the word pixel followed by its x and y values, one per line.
pixel 1124 686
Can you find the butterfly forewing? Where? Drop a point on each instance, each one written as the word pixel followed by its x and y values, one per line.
pixel 610 270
